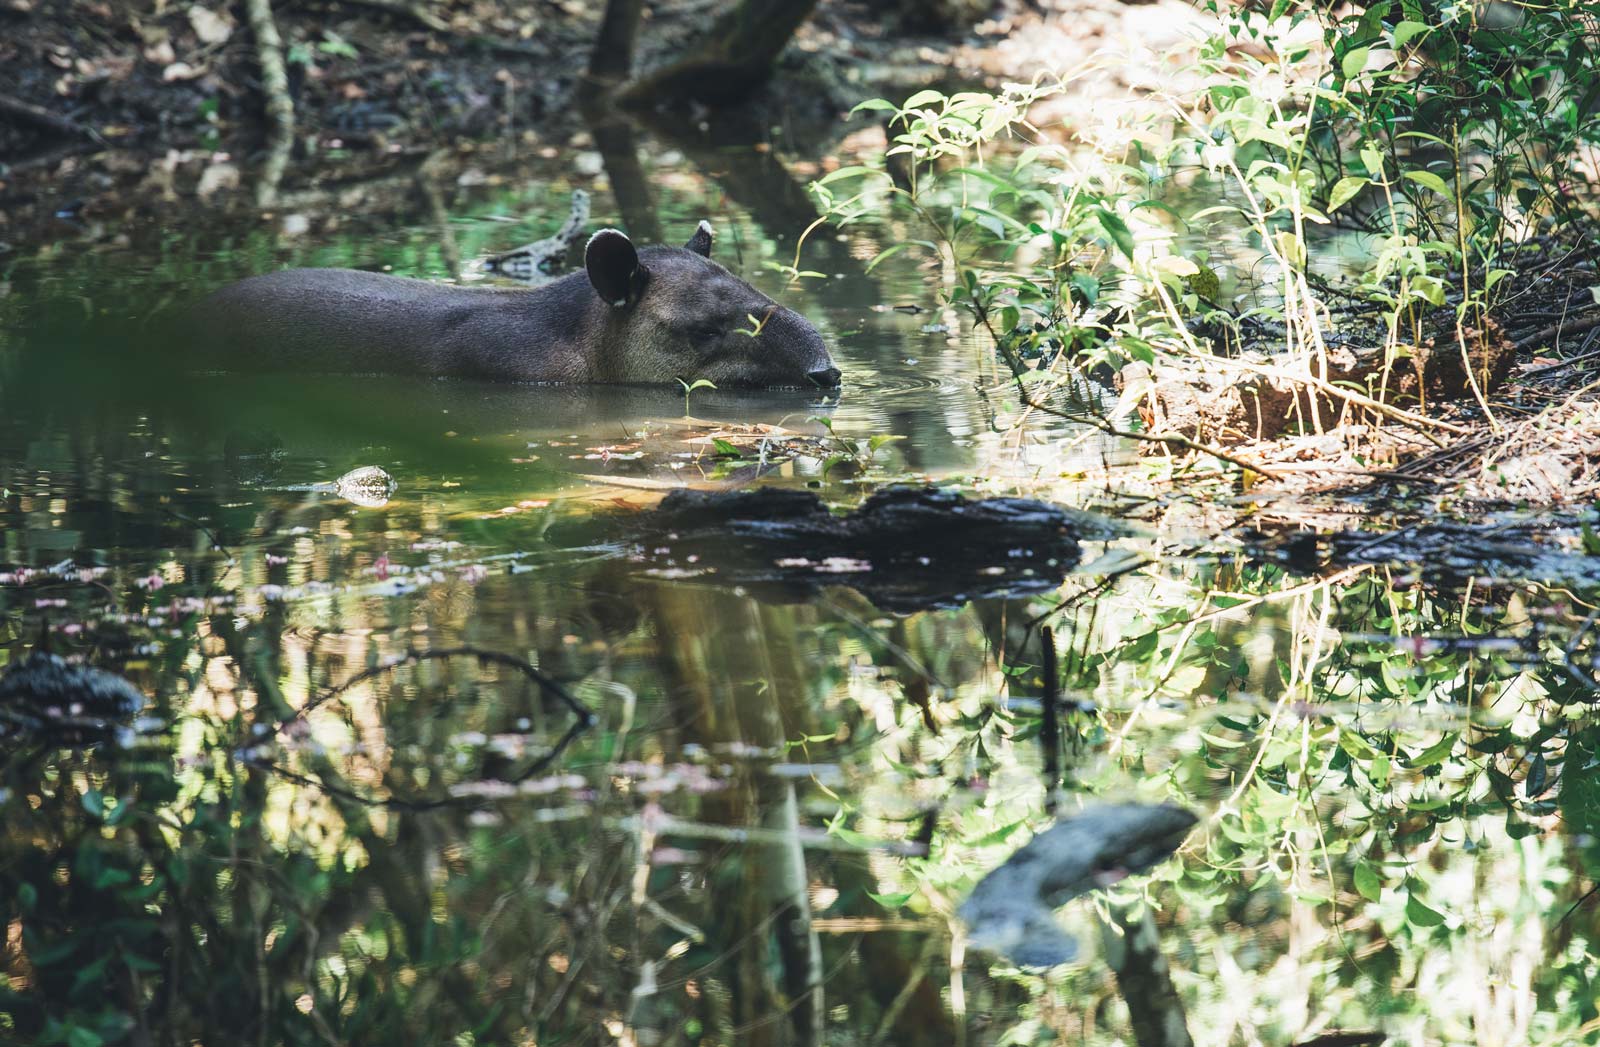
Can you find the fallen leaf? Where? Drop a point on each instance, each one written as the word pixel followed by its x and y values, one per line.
pixel 215 178
pixel 179 71
pixel 209 26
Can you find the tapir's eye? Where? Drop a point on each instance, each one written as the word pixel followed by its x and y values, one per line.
pixel 703 333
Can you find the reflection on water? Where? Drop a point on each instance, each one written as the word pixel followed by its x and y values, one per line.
pixel 766 832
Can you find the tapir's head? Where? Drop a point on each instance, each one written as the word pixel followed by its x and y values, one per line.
pixel 673 313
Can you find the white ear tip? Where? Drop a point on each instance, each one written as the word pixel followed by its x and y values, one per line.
pixel 601 232
pixel 705 227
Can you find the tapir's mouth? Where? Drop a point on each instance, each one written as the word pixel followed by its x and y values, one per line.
pixel 812 383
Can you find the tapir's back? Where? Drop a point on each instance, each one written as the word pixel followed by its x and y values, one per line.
pixel 346 320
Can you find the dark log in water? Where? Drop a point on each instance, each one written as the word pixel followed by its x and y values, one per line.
pixel 905 548
pixel 48 698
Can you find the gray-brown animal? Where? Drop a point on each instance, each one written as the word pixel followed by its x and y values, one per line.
pixel 651 316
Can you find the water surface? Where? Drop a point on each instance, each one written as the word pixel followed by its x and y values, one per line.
pixel 764 834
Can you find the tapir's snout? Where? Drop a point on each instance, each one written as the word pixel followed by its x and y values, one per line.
pixel 827 377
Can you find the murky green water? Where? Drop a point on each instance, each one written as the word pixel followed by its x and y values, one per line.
pixel 765 832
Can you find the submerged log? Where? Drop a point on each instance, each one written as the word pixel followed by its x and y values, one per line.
pixel 905 548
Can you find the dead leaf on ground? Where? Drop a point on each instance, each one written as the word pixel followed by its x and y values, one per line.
pixel 212 28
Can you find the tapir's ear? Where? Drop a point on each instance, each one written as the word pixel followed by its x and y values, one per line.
pixel 613 266
pixel 700 242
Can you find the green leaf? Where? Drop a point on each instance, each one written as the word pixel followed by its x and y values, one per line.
pixel 1000 835
pixel 1419 914
pixel 1405 32
pixel 890 901
pixel 1355 60
pixel 1429 180
pixel 724 448
pixel 854 171
pixel 1344 190
pixel 875 105
pixel 885 254
pixel 78 1036
pixel 1118 230
pixel 1438 752
pixel 923 98
pixel 1367 883
pixel 1496 275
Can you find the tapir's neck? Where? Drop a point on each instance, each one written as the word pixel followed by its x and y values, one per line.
pixel 556 331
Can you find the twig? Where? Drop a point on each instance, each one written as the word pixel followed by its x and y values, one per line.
pixel 897 1006
pixel 41 117
pixel 1567 362
pixel 1170 439
pixel 280 108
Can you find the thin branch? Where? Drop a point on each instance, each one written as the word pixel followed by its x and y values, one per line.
pixel 44 119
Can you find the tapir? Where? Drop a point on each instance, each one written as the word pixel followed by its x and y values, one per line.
pixel 655 315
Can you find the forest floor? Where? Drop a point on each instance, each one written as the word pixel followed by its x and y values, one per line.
pixel 90 90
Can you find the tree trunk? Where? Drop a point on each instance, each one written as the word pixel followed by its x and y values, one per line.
pixel 735 58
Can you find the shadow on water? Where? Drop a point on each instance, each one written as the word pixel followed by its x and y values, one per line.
pixel 309 834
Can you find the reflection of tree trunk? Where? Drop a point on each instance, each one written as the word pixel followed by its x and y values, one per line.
pixel 736 57
pixel 449 252
pixel 612 58
pixel 757 180
pixel 1144 979
pixel 784 885
pixel 747 692
pixel 614 138
pixel 889 962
